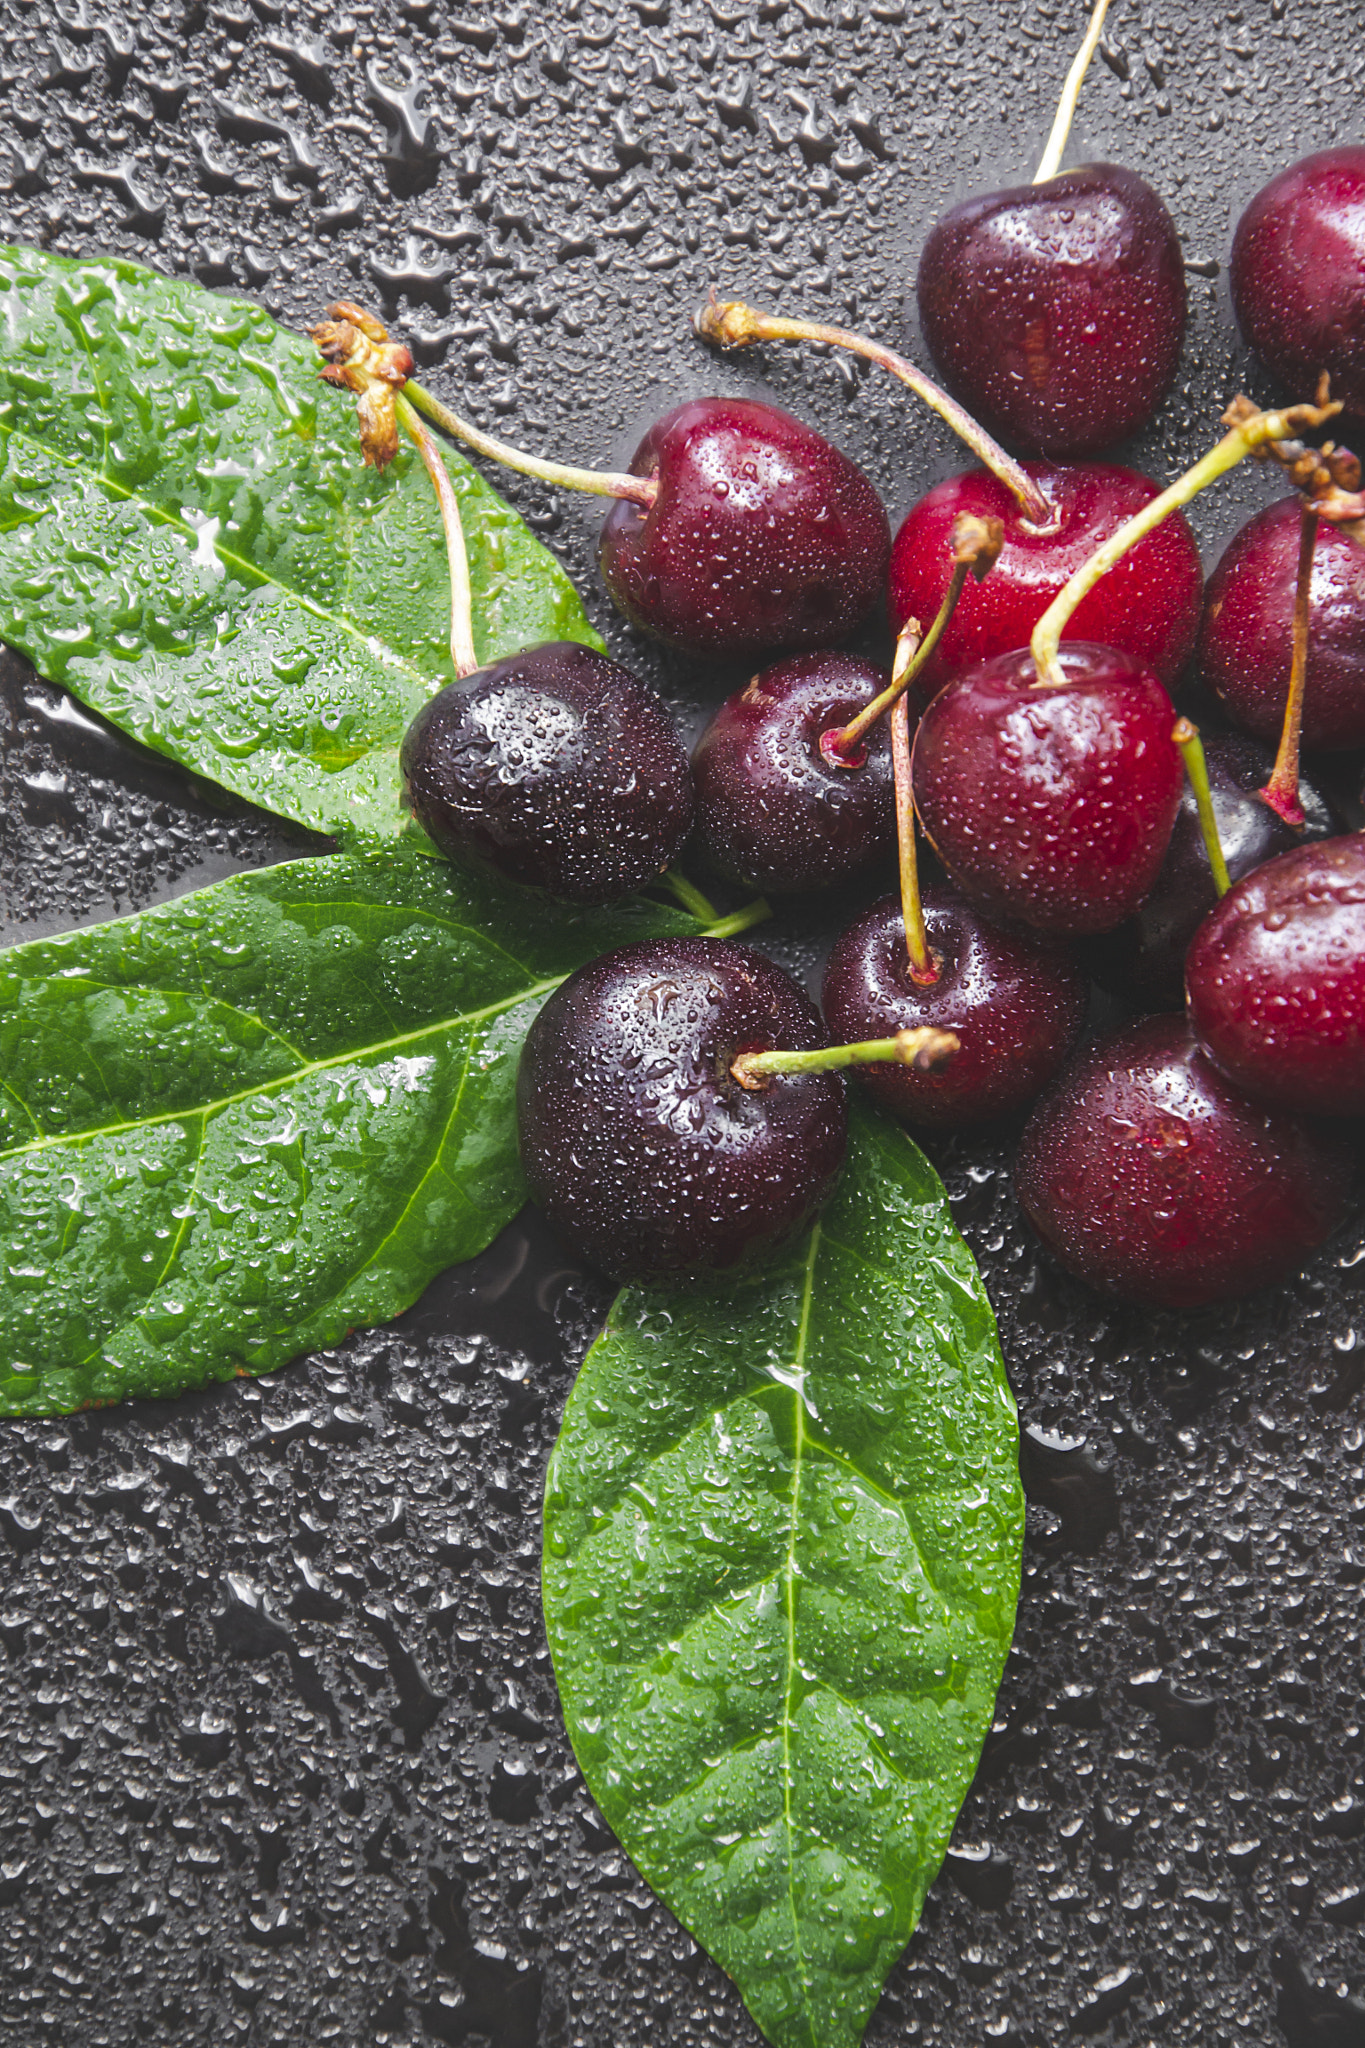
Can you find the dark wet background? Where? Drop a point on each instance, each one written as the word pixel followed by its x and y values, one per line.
pixel 280 1758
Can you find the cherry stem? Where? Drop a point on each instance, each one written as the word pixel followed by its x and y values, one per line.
pixel 731 324
pixel 922 1048
pixel 461 598
pixel 1051 160
pixel 757 912
pixel 689 895
pixel 923 968
pixel 602 483
pixel 976 545
pixel 1250 433
pixel 1282 790
pixel 1186 737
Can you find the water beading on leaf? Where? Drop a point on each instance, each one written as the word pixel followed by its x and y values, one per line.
pixel 190 541
pixel 238 1125
pixel 783 1527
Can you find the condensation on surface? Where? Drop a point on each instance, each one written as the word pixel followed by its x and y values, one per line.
pixel 282 1761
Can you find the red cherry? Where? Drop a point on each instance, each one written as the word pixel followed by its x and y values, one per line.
pixel 1052 805
pixel 1276 980
pixel 1298 274
pixel 1246 638
pixel 1151 1178
pixel 1056 311
pixel 1147 605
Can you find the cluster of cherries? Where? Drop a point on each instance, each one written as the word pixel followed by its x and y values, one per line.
pixel 679 1100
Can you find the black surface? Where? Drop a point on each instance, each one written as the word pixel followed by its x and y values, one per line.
pixel 279 1751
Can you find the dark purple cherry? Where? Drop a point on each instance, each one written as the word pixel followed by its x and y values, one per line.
pixel 1056 311
pixel 1276 980
pixel 1298 274
pixel 1015 1002
pixel 1051 805
pixel 1154 1180
pixel 1144 957
pixel 1246 639
pixel 772 812
pixel 650 1161
pixel 554 767
pixel 762 535
pixel 1147 605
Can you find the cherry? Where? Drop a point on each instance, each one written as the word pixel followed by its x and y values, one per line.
pixel 554 767
pixel 1056 311
pixel 1144 957
pixel 1051 803
pixel 773 812
pixel 1151 1178
pixel 1298 274
pixel 1245 639
pixel 1015 1002
pixel 1276 980
pixel 761 533
pixel 648 1157
pixel 1147 605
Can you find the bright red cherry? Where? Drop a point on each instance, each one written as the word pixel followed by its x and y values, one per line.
pixel 1246 638
pixel 1154 1180
pixel 772 812
pixel 1052 805
pixel 1298 274
pixel 1014 1001
pixel 761 535
pixel 1276 980
pixel 1056 311
pixel 1147 605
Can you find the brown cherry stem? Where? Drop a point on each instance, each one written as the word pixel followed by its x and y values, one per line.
pixel 923 966
pixel 1050 161
pixel 1249 431
pixel 1186 737
pixel 602 483
pixel 924 1048
pixel 461 598
pixel 1282 790
pixel 976 545
pixel 731 324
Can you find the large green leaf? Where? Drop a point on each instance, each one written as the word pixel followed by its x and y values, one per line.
pixel 190 541
pixel 239 1124
pixel 782 1552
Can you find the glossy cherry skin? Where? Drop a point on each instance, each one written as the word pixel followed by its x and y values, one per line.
pixel 772 813
pixel 1276 980
pixel 1051 805
pixel 650 1162
pixel 554 767
pixel 763 535
pixel 1151 1178
pixel 1144 957
pixel 1147 604
pixel 1056 311
pixel 1298 274
pixel 1015 1001
pixel 1246 640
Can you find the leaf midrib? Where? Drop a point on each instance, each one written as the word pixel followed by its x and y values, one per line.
pixel 463 1019
pixel 789 1575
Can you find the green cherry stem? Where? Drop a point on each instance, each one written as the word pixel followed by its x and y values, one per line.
pixel 922 1048
pixel 1249 431
pixel 1282 790
pixel 1050 161
pixel 461 597
pixel 976 545
pixel 757 912
pixel 923 966
pixel 731 324
pixel 1186 737
pixel 602 483
pixel 689 896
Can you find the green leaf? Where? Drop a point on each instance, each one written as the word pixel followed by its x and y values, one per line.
pixel 782 1547
pixel 238 1125
pixel 190 542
